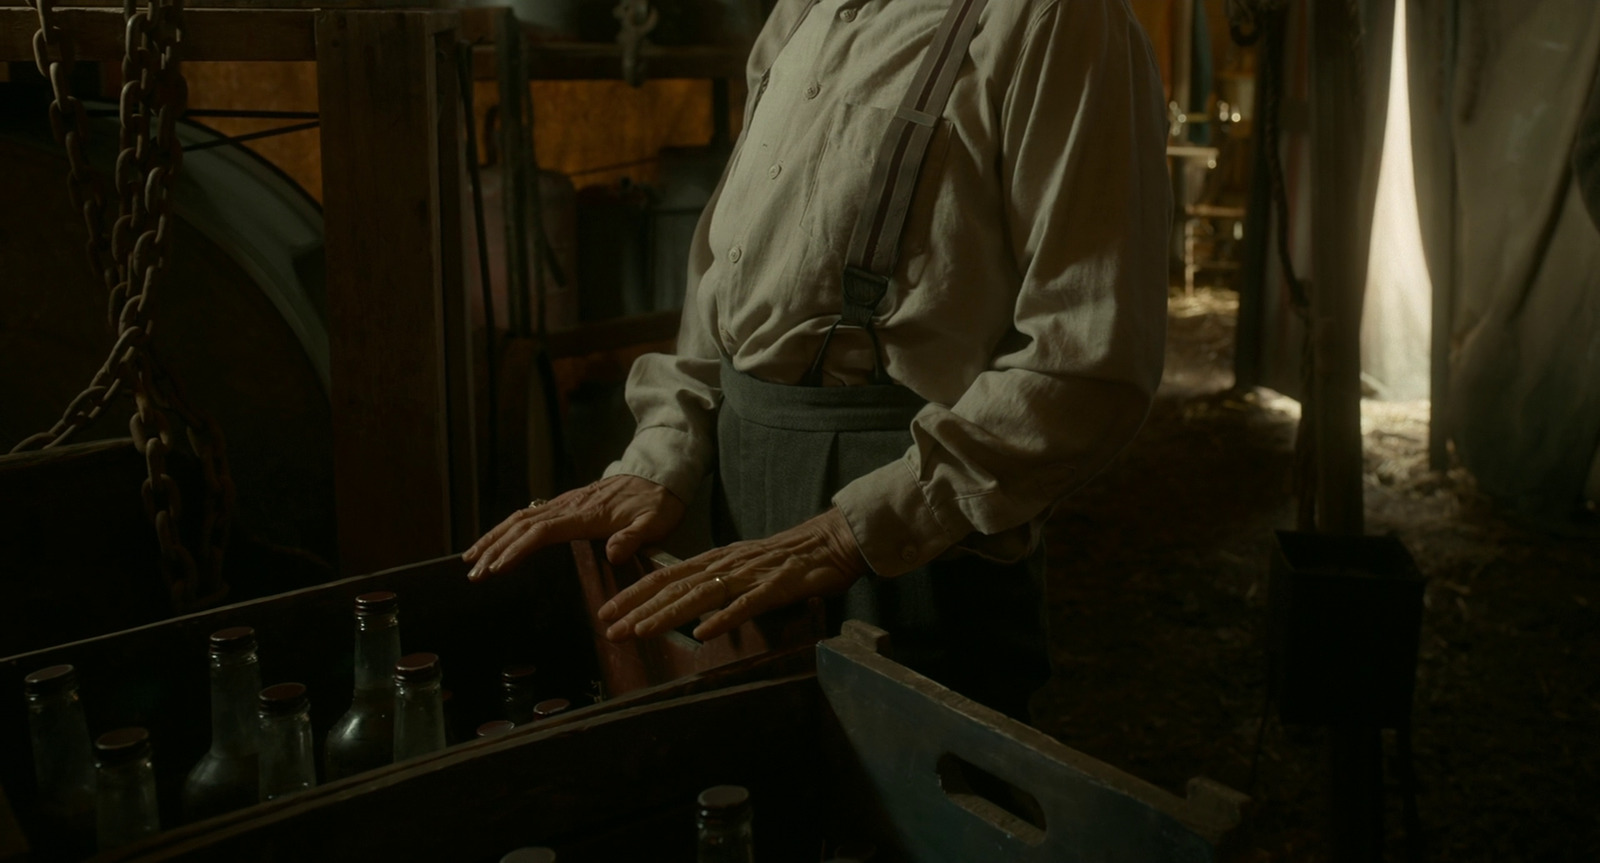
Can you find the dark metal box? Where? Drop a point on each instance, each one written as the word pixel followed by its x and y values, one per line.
pixel 1345 615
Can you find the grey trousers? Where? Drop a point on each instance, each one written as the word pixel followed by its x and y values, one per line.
pixel 783 451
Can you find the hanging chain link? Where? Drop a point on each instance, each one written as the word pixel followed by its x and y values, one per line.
pixel 131 261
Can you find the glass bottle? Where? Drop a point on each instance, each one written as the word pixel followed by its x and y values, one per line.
pixel 63 757
pixel 530 855
pixel 724 826
pixel 287 765
pixel 550 707
pixel 418 706
pixel 363 738
pixel 125 788
pixel 517 681
pixel 226 777
pixel 495 727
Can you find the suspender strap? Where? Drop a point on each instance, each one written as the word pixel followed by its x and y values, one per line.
pixel 875 241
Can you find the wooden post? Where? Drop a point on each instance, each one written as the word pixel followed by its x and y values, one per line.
pixel 391 210
pixel 1339 258
pixel 458 355
pixel 1436 24
pixel 1339 262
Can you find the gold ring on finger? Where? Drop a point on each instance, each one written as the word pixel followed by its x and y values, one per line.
pixel 727 592
pixel 536 503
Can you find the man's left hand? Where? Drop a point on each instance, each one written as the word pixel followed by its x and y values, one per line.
pixel 815 558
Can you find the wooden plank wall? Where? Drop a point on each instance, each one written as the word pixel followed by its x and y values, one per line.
pixel 389 277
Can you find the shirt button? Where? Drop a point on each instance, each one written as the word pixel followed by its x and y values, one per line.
pixel 847 15
pixel 734 254
pixel 774 171
pixel 812 90
pixel 909 554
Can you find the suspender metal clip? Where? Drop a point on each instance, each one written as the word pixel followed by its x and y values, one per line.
pixel 863 290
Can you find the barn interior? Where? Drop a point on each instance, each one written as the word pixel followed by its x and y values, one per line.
pixel 1348 570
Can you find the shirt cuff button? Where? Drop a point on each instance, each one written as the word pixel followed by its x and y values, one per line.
pixel 909 554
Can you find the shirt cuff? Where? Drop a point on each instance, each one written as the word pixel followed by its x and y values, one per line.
pixel 658 454
pixel 893 522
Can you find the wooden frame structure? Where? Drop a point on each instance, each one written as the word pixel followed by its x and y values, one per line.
pixel 392 154
pixel 401 393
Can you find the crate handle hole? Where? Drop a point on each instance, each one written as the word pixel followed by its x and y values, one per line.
pixel 1005 806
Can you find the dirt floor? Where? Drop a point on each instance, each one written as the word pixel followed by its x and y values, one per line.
pixel 1158 618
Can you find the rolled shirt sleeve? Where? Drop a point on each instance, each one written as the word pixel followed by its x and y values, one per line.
pixel 674 397
pixel 1087 208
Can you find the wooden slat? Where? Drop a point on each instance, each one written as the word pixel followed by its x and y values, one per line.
pixel 603 61
pixel 210 34
pixel 387 276
pixel 457 313
pixel 923 747
pixel 268 5
pixel 594 782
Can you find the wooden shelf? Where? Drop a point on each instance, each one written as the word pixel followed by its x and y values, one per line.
pixel 599 61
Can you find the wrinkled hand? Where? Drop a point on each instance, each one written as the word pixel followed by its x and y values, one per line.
pixel 629 510
pixel 815 558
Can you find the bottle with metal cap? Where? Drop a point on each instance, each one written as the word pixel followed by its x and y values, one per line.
pixel 125 788
pixel 517 682
pixel 495 728
pixel 287 765
pixel 63 758
pixel 550 707
pixel 418 706
pixel 724 825
pixel 530 855
pixel 225 779
pixel 363 738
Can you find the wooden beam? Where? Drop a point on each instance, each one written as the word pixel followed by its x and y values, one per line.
pixel 603 61
pixel 269 5
pixel 1339 259
pixel 384 223
pixel 459 361
pixel 209 34
pixel 1436 25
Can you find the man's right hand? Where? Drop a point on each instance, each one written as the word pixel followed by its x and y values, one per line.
pixel 626 511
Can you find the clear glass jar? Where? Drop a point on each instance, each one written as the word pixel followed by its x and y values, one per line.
pixel 518 682
pixel 724 826
pixel 226 777
pixel 63 758
pixel 418 706
pixel 125 788
pixel 287 765
pixel 363 738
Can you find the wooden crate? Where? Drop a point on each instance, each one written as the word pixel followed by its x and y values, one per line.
pixel 860 750
pixel 156 675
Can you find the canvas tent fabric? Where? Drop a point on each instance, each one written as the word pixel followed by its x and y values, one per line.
pixel 1497 89
pixel 1525 327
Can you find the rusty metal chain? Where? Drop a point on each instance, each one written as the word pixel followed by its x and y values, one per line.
pixel 69 121
pixel 154 95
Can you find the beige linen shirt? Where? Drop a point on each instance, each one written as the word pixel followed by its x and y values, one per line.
pixel 1029 304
